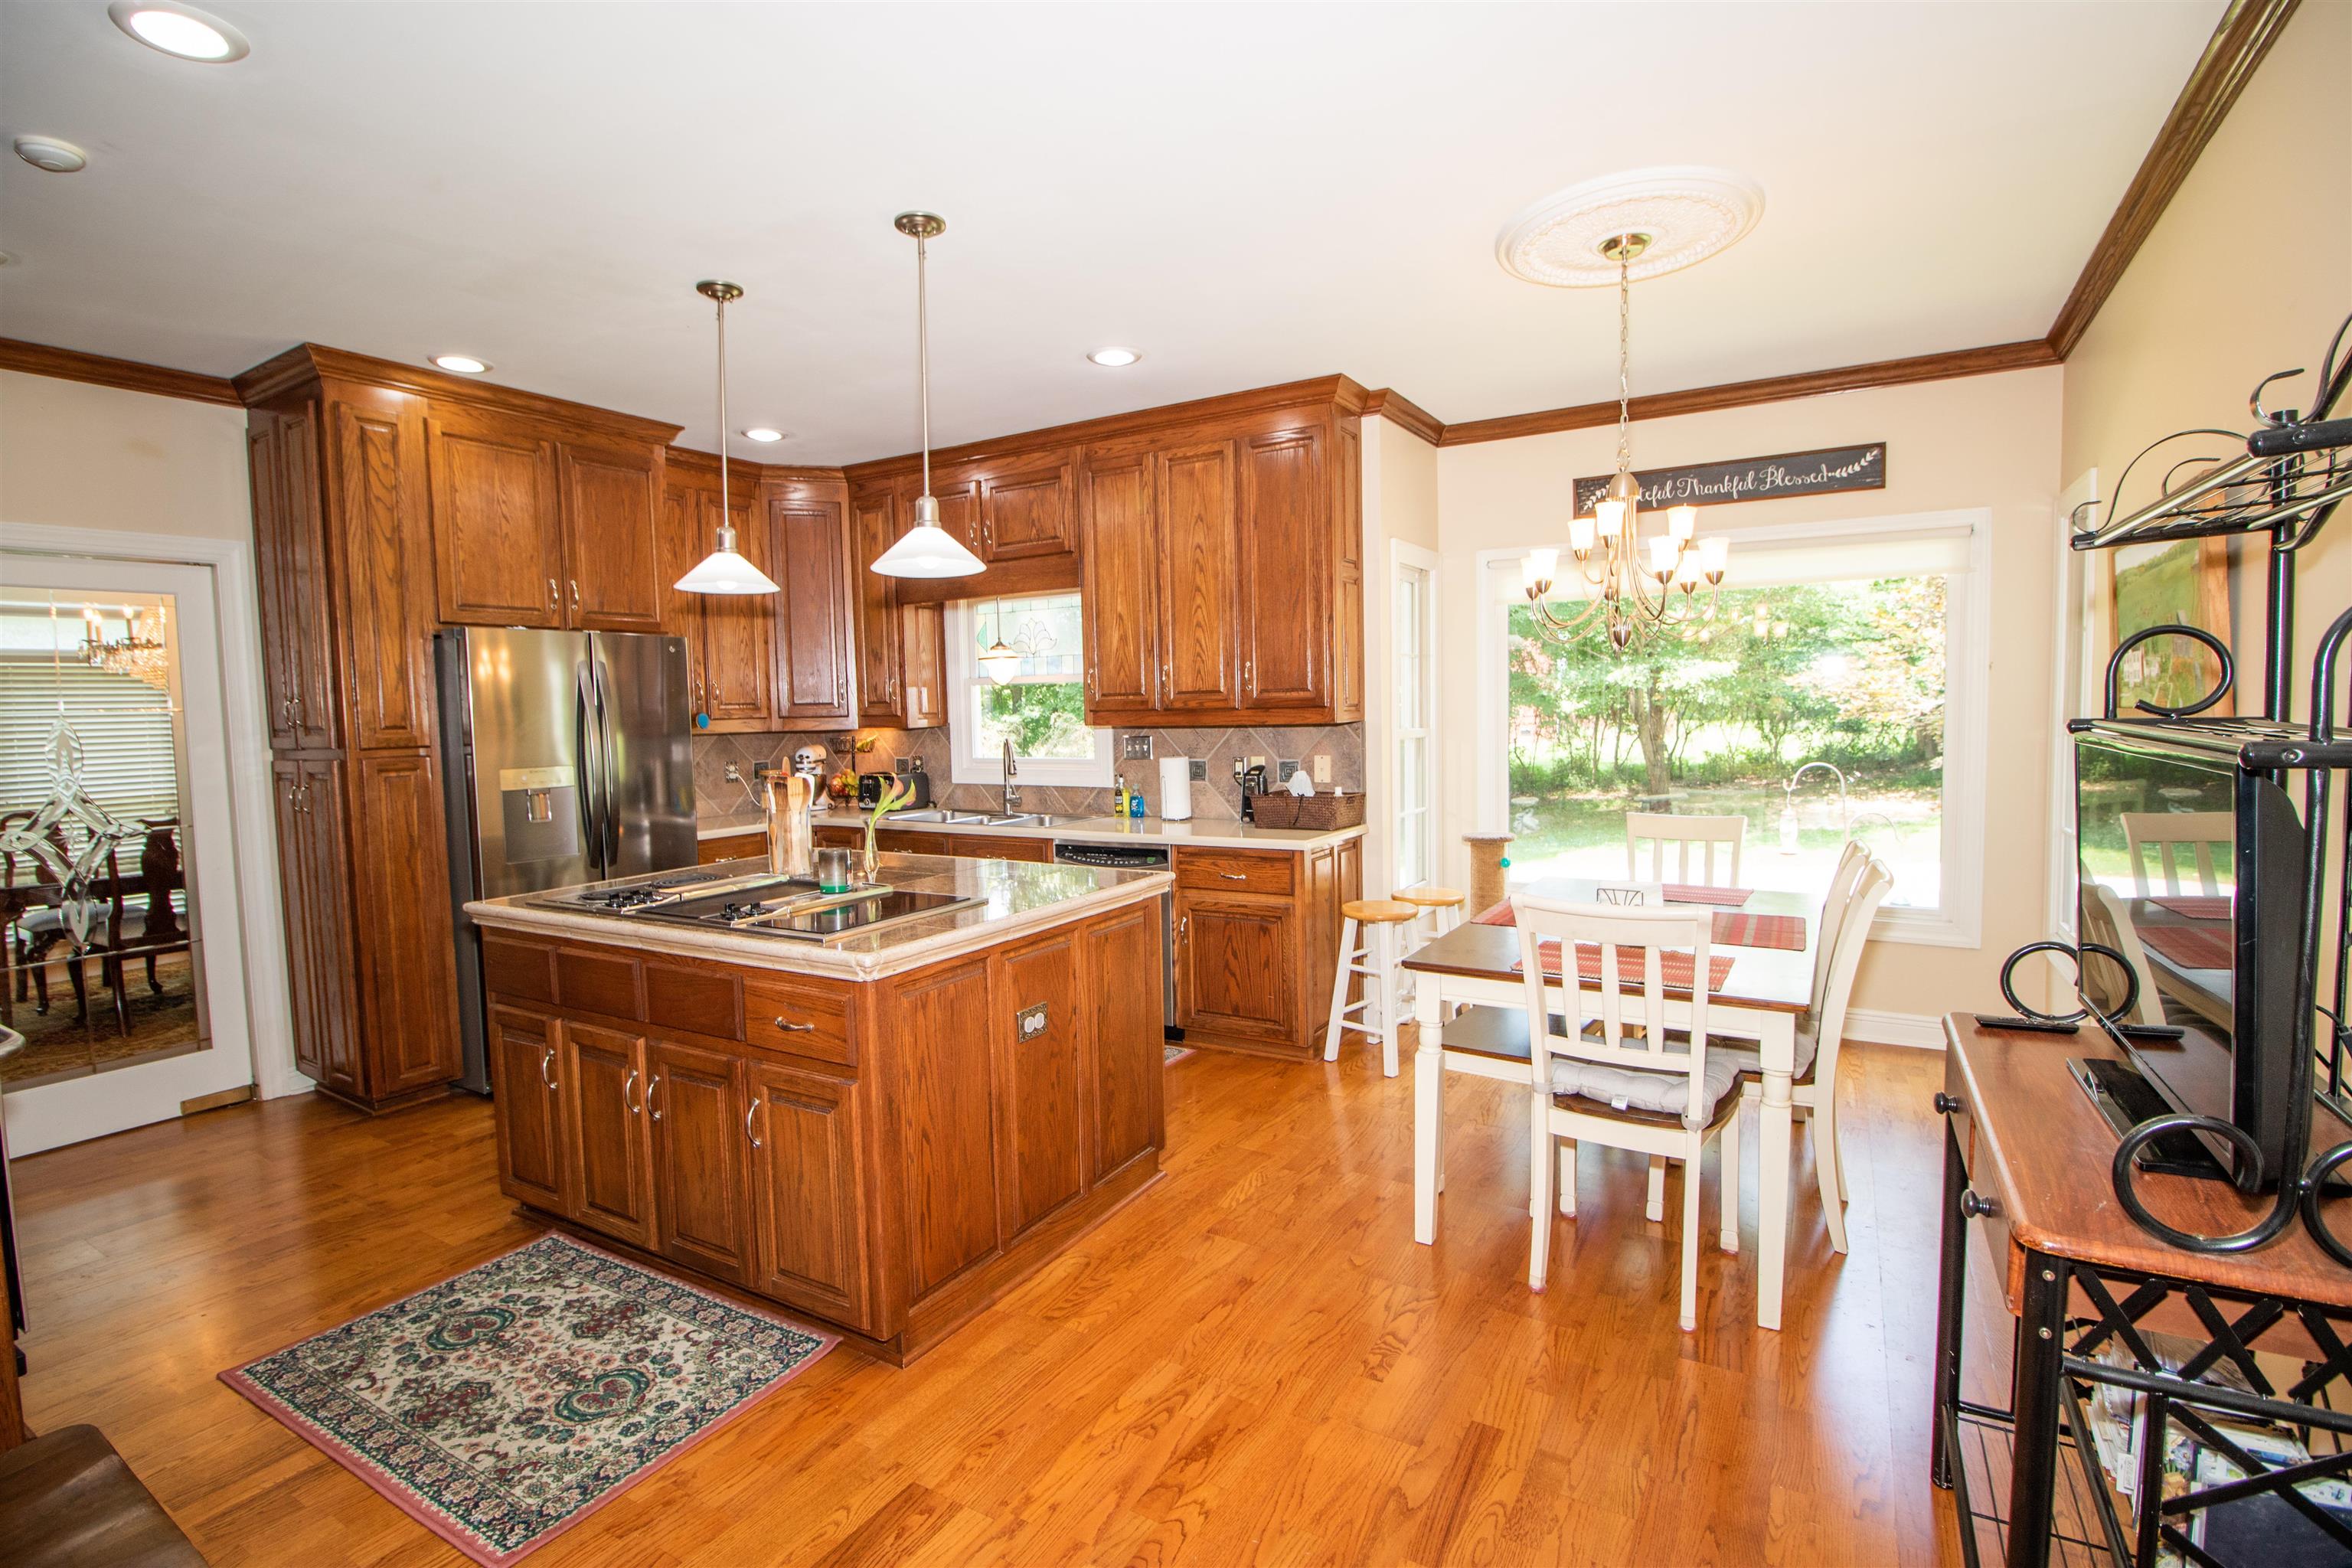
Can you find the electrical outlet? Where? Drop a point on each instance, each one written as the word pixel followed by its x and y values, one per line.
pixel 1137 746
pixel 1322 767
pixel 901 766
pixel 1287 767
pixel 734 773
pixel 1200 770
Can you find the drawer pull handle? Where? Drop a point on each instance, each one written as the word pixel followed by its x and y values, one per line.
pixel 789 1028
pixel 1946 1104
pixel 544 1052
pixel 1235 876
pixel 749 1111
pixel 627 1084
pixel 1975 1207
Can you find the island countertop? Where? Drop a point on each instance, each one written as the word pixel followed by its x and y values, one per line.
pixel 1021 897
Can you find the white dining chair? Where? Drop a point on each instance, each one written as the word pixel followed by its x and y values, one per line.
pixel 1608 1071
pixel 1709 834
pixel 1813 1091
pixel 2169 834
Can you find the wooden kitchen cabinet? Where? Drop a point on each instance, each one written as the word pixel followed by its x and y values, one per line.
pixel 1120 592
pixel 1129 1042
pixel 314 887
pixel 611 501
pixel 924 627
pixel 1042 1070
pixel 808 1191
pixel 881 647
pixel 298 660
pixel 529 1108
pixel 1256 936
pixel 807 536
pixel 1016 511
pixel 607 1134
pixel 731 638
pixel 697 1104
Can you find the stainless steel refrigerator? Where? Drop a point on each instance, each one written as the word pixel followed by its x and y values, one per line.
pixel 567 757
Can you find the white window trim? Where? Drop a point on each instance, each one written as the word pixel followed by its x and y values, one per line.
pixel 1401 555
pixel 1960 921
pixel 1098 772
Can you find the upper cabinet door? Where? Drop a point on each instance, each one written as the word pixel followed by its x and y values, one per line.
pixel 1200 569
pixel 958 491
pixel 738 666
pixel 1028 513
pixel 612 575
pixel 812 614
pixel 1118 591
pixel 290 538
pixel 379 550
pixel 873 529
pixel 1286 599
pixel 497 533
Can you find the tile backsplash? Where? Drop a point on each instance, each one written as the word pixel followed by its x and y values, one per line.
pixel 1218 799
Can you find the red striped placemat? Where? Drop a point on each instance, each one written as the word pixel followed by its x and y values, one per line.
pixel 1674 966
pixel 2196 906
pixel 1700 893
pixel 1731 928
pixel 2191 947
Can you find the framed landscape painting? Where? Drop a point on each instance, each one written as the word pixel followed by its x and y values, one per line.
pixel 2184 582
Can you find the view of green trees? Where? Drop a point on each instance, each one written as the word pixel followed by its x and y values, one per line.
pixel 1715 717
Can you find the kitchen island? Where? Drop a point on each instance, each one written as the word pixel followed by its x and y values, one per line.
pixel 884 1130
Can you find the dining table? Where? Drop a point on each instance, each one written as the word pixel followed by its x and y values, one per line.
pixel 1762 999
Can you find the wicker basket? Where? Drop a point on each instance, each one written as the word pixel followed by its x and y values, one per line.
pixel 1319 812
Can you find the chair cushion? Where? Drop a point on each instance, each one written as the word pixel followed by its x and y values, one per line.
pixel 1667 1093
pixel 1750 1059
pixel 43 922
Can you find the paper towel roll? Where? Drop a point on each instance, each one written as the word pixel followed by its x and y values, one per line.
pixel 1175 789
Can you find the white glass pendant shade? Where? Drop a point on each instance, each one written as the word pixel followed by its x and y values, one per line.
pixel 1681 521
pixel 1536 570
pixel 1579 534
pixel 1000 663
pixel 1714 551
pixel 725 570
pixel 1612 516
pixel 926 549
pixel 1662 557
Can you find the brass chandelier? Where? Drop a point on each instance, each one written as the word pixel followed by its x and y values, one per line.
pixel 141 652
pixel 1630 587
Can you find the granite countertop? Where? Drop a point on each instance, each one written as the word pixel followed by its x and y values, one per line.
pixel 1199 834
pixel 1021 897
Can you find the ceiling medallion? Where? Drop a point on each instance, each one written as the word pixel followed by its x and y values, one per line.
pixel 1689 213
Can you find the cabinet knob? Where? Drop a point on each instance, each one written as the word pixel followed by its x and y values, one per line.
pixel 1946 1104
pixel 1975 1207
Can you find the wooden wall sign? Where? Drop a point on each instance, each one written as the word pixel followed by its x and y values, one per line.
pixel 1822 472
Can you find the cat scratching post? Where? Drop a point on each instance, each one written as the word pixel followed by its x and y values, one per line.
pixel 1486 869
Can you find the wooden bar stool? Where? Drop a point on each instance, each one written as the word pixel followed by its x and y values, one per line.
pixel 1380 921
pixel 1441 907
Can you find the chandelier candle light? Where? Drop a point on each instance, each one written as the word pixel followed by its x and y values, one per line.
pixel 926 550
pixel 141 652
pixel 724 570
pixel 1632 586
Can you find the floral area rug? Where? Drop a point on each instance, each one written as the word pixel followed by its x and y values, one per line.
pixel 1171 1055
pixel 502 1406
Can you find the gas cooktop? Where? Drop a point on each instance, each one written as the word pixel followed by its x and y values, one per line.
pixel 794 907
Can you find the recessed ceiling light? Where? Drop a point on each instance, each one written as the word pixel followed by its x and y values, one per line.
pixel 761 433
pixel 1114 356
pixel 464 364
pixel 182 31
pixel 48 152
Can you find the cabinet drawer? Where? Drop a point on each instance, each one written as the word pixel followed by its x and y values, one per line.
pixel 904 843
pixel 596 980
pixel 708 1001
pixel 734 846
pixel 800 1019
pixel 517 968
pixel 1235 871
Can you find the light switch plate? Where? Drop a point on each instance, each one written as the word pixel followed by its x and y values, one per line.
pixel 1322 767
pixel 1136 746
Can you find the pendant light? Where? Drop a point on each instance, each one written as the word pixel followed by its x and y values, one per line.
pixel 724 570
pixel 926 550
pixel 1000 662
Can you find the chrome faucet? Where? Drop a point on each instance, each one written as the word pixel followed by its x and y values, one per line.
pixel 1012 795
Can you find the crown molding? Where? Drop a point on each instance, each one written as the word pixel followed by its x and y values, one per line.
pixel 2246 31
pixel 701 467
pixel 1406 415
pixel 313 361
pixel 2031 353
pixel 130 375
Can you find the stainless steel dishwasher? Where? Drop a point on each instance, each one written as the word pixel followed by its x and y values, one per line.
pixel 1138 857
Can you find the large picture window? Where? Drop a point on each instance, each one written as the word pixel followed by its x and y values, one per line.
pixel 1835 693
pixel 1016 669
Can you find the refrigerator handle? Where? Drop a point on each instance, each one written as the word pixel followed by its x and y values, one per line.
pixel 607 765
pixel 588 749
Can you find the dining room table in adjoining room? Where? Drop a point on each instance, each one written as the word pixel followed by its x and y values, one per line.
pixel 1760 996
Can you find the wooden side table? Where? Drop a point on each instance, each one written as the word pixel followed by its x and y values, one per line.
pixel 2026 1161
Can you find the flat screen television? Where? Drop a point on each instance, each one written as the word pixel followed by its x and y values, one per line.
pixel 2192 868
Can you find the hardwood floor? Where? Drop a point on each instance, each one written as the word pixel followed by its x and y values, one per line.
pixel 1253 1363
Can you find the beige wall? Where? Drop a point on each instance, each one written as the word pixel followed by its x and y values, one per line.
pixel 1399 506
pixel 96 456
pixel 2197 321
pixel 1986 441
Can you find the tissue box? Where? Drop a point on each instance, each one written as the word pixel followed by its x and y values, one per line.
pixel 1317 812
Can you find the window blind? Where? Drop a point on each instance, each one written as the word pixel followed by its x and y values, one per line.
pixel 130 756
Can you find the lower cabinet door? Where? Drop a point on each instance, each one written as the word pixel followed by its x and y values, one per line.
pixel 523 1049
pixel 695 1100
pixel 805 1191
pixel 1236 970
pixel 1129 1058
pixel 611 1141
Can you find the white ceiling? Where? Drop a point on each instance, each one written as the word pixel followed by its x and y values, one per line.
pixel 1249 195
